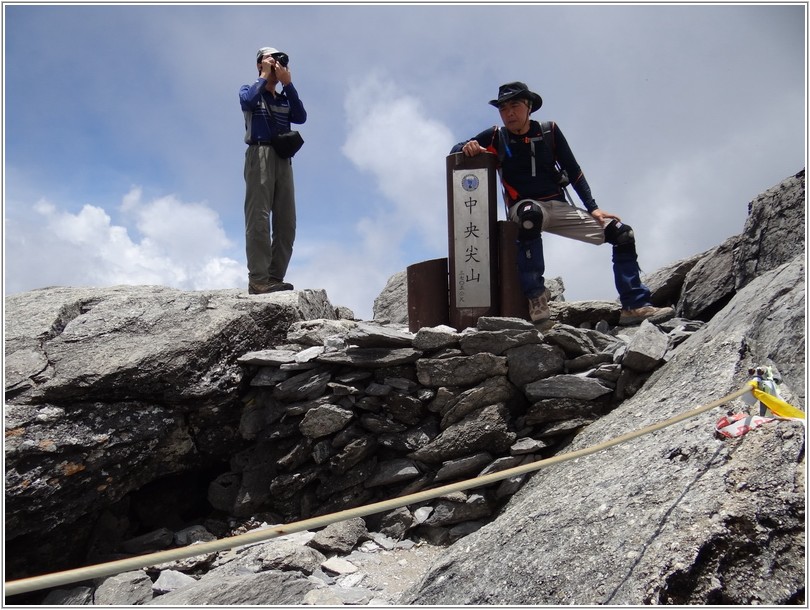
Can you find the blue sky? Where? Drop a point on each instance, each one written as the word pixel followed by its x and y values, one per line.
pixel 123 136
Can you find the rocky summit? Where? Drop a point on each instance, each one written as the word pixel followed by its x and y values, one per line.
pixel 142 418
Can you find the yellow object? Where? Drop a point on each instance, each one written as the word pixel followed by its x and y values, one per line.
pixel 775 404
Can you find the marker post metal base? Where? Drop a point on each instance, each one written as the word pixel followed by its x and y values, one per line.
pixel 427 294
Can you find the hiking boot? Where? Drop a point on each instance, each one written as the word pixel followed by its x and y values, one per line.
pixel 538 307
pixel 279 285
pixel 257 288
pixel 271 286
pixel 645 312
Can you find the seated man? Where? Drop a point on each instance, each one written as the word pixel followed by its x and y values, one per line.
pixel 535 162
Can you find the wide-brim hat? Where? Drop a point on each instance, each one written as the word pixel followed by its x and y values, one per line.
pixel 517 90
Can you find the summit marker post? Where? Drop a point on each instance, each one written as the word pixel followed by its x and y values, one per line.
pixel 472 200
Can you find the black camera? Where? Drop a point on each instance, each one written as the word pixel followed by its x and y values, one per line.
pixel 281 58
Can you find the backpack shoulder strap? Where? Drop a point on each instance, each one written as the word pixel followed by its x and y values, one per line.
pixel 547 129
pixel 503 151
pixel 503 143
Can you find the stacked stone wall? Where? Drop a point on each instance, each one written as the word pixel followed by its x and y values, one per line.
pixel 348 413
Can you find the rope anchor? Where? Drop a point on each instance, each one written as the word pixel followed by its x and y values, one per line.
pixel 765 393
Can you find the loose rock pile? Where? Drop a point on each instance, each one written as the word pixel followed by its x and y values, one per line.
pixel 341 564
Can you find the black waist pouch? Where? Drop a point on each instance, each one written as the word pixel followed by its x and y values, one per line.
pixel 287 144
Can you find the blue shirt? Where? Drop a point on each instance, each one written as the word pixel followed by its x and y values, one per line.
pixel 266 114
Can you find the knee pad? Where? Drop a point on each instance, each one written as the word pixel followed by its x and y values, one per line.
pixel 619 234
pixel 622 238
pixel 530 221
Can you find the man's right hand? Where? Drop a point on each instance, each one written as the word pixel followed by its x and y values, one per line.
pixel 472 148
pixel 268 64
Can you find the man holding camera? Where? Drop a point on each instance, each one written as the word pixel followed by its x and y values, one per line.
pixel 269 192
pixel 535 163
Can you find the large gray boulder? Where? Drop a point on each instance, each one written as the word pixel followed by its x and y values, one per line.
pixel 774 230
pixel 675 517
pixel 79 344
pixel 709 285
pixel 391 305
pixel 773 234
pixel 268 588
pixel 108 389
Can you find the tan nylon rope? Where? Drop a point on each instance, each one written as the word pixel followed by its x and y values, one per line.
pixel 35 583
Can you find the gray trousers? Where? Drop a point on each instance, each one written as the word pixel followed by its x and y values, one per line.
pixel 269 214
pixel 569 221
pixel 566 220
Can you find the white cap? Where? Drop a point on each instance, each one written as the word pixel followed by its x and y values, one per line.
pixel 264 51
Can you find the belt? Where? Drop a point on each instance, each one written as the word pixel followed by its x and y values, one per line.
pixel 260 144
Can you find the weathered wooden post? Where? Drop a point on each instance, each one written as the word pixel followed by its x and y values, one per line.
pixel 472 200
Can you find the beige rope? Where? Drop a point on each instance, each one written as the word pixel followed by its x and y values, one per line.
pixel 46 581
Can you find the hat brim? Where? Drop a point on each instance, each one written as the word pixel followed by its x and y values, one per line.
pixel 264 51
pixel 535 99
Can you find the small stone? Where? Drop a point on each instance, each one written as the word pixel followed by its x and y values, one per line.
pixel 336 565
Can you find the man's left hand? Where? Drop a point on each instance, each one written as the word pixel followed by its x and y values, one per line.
pixel 283 74
pixel 603 217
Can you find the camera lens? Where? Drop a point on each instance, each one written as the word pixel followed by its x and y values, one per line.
pixel 281 58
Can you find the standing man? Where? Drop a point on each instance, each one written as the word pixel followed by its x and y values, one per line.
pixel 534 165
pixel 269 192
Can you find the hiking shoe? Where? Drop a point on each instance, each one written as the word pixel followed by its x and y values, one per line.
pixel 538 307
pixel 278 285
pixel 271 286
pixel 646 312
pixel 257 288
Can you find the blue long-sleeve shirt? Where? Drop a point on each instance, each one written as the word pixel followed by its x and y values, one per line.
pixel 267 115
pixel 526 164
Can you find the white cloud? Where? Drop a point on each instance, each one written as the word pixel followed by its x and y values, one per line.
pixel 181 245
pixel 185 232
pixel 391 136
pixel 345 270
